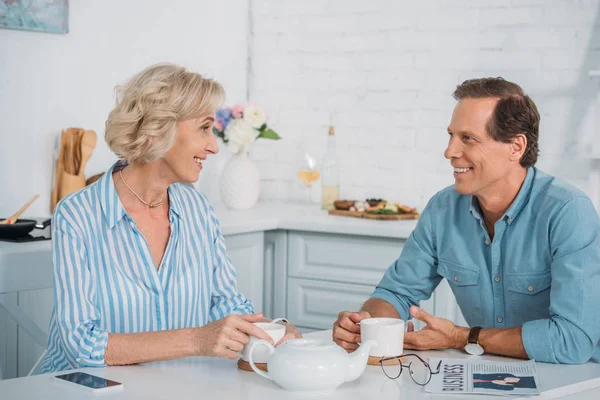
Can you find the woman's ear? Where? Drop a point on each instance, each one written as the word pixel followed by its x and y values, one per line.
pixel 518 147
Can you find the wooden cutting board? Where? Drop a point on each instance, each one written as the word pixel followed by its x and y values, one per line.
pixel 384 217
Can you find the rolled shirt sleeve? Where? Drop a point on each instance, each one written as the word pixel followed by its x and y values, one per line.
pixel 572 332
pixel 77 316
pixel 413 276
pixel 225 299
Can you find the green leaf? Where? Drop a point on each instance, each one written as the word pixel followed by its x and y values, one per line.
pixel 219 134
pixel 262 128
pixel 383 211
pixel 269 133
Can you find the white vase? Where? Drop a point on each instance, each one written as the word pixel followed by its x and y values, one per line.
pixel 240 182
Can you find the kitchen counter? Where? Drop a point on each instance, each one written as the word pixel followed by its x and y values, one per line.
pixel 266 217
pixel 204 377
pixel 300 217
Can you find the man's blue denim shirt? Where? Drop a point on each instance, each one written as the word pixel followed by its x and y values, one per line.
pixel 541 270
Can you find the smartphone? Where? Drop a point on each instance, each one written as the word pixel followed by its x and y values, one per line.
pixel 90 381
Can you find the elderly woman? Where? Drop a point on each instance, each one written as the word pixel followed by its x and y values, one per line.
pixel 140 267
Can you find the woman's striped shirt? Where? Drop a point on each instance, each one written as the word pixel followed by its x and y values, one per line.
pixel 106 281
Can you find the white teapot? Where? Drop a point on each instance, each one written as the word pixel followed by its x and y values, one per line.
pixel 305 365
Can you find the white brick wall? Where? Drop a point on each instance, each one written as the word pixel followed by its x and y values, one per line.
pixel 382 72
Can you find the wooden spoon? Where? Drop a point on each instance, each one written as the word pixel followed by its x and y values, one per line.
pixel 13 218
pixel 77 150
pixel 88 143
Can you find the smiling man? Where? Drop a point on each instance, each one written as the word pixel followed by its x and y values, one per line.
pixel 520 248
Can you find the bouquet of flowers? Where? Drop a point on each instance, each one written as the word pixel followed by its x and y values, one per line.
pixel 239 126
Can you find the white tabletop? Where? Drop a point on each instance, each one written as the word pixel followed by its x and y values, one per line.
pixel 212 378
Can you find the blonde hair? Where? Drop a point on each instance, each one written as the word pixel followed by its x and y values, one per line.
pixel 143 125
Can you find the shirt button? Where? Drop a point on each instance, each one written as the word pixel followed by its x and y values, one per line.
pixel 530 288
pixel 487 242
pixel 497 279
pixel 509 220
pixel 500 320
pixel 456 277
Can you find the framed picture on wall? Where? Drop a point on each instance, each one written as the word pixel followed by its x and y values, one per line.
pixel 35 15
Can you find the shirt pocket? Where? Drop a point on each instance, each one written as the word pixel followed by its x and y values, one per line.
pixel 528 296
pixel 465 285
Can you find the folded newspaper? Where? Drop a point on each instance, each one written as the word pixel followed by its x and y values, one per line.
pixel 484 377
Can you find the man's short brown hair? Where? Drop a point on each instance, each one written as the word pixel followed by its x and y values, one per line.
pixel 515 113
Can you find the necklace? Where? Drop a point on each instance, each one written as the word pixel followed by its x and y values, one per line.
pixel 136 195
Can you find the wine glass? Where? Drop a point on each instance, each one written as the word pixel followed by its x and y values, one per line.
pixel 308 169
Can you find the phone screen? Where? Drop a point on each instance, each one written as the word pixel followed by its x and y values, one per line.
pixel 87 380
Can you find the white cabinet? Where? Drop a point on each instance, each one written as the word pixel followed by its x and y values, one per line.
pixel 341 258
pixel 331 273
pixel 316 304
pixel 246 253
pixel 275 267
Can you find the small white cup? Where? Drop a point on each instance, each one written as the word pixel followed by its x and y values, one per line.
pixel 388 332
pixel 261 353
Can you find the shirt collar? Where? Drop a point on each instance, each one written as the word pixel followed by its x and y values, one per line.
pixel 523 196
pixel 175 201
pixel 516 206
pixel 111 204
pixel 109 199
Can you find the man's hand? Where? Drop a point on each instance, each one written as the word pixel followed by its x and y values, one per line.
pixel 438 334
pixel 345 331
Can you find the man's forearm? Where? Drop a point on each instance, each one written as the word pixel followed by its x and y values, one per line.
pixel 380 308
pixel 501 341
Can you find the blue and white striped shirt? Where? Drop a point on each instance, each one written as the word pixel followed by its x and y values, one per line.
pixel 105 279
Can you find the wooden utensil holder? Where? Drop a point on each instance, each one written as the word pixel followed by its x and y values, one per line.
pixel 70 183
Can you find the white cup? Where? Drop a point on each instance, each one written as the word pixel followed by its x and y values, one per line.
pixel 388 332
pixel 261 353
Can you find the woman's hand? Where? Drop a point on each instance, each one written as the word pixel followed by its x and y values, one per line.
pixel 227 336
pixel 291 332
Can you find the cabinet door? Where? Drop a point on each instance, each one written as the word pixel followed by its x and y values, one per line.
pixel 316 304
pixel 275 271
pixel 37 304
pixel 341 258
pixel 247 254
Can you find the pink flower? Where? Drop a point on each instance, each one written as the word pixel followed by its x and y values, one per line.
pixel 218 125
pixel 238 110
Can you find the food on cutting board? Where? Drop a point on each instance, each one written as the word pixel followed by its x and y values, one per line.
pixel 374 202
pixel 360 206
pixel 375 206
pixel 343 204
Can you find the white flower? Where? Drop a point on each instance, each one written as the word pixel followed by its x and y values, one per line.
pixel 255 116
pixel 240 135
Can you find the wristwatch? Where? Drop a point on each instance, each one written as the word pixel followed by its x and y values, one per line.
pixel 473 347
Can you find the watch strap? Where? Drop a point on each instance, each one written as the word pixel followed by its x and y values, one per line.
pixel 474 334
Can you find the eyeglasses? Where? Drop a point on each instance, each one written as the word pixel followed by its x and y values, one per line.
pixel 420 371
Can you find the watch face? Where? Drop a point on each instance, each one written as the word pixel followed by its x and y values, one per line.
pixel 474 349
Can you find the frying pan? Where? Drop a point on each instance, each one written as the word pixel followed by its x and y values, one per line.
pixel 21 228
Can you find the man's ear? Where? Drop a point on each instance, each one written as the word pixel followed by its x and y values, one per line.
pixel 518 147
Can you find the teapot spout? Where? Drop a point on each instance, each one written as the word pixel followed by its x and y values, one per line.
pixel 358 360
